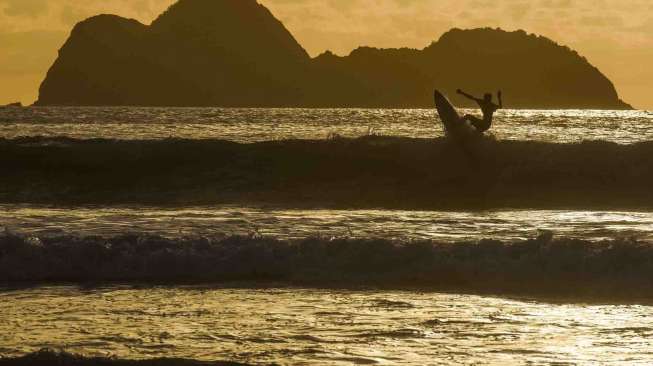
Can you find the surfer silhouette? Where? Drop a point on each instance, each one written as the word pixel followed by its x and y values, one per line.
pixel 487 107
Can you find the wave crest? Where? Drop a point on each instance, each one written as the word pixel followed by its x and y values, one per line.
pixel 47 357
pixel 545 265
pixel 371 171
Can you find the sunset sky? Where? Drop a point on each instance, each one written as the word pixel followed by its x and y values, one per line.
pixel 615 35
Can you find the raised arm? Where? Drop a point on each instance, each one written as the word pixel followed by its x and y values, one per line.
pixel 468 96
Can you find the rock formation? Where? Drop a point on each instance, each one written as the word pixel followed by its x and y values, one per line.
pixel 236 53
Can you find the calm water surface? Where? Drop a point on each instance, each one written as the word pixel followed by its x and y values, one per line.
pixel 293 326
pixel 249 125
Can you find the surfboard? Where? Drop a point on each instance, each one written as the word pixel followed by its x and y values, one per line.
pixel 454 125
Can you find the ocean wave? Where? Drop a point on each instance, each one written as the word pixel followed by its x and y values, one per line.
pixel 366 172
pixel 545 265
pixel 47 357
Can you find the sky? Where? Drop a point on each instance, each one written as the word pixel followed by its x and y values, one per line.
pixel 615 35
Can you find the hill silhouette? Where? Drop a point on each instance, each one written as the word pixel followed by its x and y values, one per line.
pixel 236 53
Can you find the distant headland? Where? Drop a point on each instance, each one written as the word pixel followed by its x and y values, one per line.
pixel 235 53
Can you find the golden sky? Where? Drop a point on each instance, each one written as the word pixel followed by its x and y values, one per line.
pixel 615 35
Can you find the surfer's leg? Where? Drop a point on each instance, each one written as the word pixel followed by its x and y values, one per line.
pixel 468 117
pixel 476 122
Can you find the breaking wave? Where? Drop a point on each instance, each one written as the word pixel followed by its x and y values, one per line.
pixel 367 172
pixel 541 266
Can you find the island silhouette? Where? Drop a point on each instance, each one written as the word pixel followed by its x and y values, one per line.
pixel 235 53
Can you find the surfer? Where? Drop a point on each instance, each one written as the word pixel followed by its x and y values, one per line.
pixel 487 107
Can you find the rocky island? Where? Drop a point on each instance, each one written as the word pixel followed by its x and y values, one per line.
pixel 235 53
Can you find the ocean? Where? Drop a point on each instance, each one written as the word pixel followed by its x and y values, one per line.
pixel 252 125
pixel 265 282
pixel 313 326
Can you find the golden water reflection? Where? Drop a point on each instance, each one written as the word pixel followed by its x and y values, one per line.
pixel 321 326
pixel 250 125
pixel 283 223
